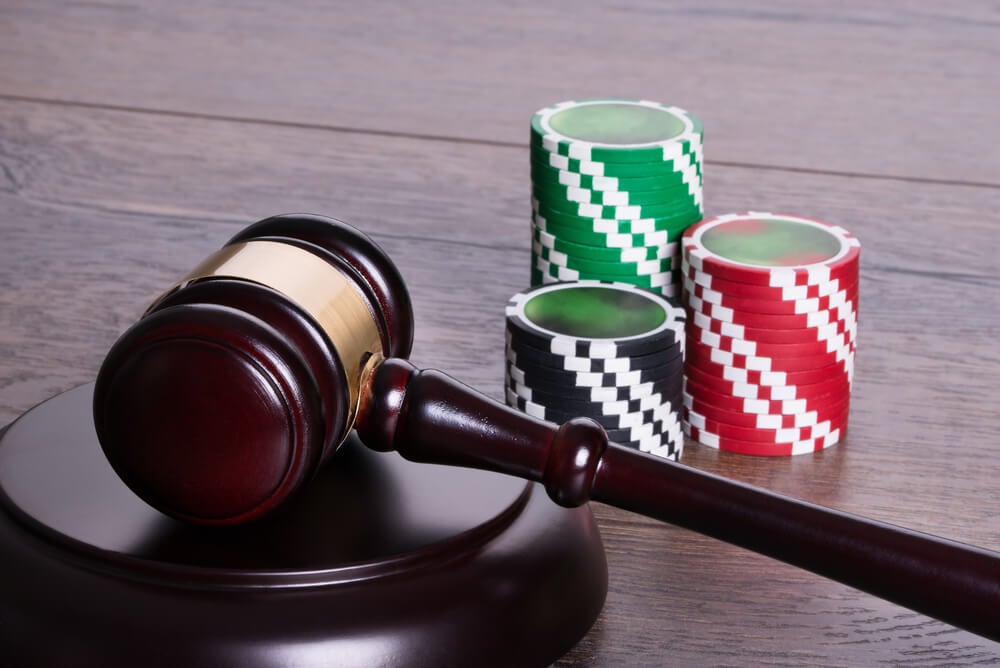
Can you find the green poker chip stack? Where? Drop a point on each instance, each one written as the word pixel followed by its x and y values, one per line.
pixel 614 185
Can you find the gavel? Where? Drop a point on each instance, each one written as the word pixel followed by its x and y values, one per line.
pixel 240 380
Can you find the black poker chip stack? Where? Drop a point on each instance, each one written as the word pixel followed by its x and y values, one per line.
pixel 612 352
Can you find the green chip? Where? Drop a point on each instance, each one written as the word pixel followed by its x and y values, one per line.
pixel 616 130
pixel 546 175
pixel 607 270
pixel 667 282
pixel 679 197
pixel 690 145
pixel 660 169
pixel 679 219
pixel 677 207
pixel 611 239
pixel 617 123
pixel 603 253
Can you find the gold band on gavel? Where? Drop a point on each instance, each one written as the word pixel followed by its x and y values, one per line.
pixel 333 300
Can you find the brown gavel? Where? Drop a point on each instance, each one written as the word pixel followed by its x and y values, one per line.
pixel 239 381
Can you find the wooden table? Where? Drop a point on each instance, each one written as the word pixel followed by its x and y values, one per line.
pixel 137 136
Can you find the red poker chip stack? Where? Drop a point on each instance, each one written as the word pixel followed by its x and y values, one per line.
pixel 771 334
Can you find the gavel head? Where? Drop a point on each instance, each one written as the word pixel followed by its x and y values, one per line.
pixel 232 388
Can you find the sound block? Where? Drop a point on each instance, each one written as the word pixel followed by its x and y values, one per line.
pixel 379 562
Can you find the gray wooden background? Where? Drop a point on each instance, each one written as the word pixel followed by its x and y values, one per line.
pixel 137 136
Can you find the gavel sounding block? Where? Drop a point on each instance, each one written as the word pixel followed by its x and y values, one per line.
pixel 379 561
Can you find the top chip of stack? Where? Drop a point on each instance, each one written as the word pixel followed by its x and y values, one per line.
pixel 614 185
pixel 609 351
pixel 772 332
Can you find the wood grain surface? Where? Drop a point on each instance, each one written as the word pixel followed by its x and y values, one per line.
pixel 136 137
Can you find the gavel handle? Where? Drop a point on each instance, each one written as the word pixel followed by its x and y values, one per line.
pixel 429 417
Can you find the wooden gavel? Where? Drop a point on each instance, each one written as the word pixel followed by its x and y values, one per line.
pixel 239 381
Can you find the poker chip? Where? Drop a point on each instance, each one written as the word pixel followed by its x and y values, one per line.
pixel 760 448
pixel 611 234
pixel 841 299
pixel 838 328
pixel 787 406
pixel 757 320
pixel 660 412
pixel 603 254
pixel 649 436
pixel 749 347
pixel 772 249
pixel 592 402
pixel 612 212
pixel 662 437
pixel 662 417
pixel 621 410
pixel 775 436
pixel 610 130
pixel 544 376
pixel 529 356
pixel 611 269
pixel 613 175
pixel 700 351
pixel 545 175
pixel 614 203
pixel 772 302
pixel 605 350
pixel 595 319
pixel 760 420
pixel 531 387
pixel 686 168
pixel 758 292
pixel 695 357
pixel 591 227
pixel 635 414
pixel 735 388
pixel 550 272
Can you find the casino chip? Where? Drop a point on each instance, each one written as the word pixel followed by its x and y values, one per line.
pixel 772 302
pixel 609 351
pixel 614 185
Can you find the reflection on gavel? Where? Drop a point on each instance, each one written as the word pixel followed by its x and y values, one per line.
pixel 239 381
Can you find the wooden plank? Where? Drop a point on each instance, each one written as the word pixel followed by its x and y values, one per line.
pixel 102 209
pixel 221 170
pixel 680 599
pixel 859 87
